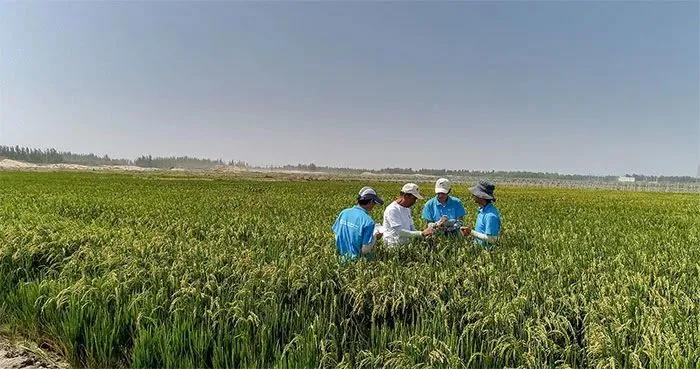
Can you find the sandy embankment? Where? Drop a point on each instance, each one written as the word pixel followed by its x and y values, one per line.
pixel 14 164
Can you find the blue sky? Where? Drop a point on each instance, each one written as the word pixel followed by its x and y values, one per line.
pixel 571 87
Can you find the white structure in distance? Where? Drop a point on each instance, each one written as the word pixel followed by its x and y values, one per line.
pixel 625 179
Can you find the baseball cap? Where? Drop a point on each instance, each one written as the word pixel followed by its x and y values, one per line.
pixel 411 188
pixel 368 193
pixel 442 185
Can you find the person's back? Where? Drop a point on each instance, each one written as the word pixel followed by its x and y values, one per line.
pixel 353 228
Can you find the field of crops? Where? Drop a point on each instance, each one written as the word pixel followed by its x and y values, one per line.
pixel 143 270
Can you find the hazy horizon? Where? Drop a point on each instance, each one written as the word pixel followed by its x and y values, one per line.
pixel 573 88
pixel 263 166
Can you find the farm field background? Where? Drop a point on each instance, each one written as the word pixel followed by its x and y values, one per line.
pixel 150 270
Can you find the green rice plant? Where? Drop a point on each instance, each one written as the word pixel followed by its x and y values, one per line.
pixel 148 270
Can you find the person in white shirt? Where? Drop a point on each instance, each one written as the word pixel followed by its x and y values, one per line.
pixel 398 221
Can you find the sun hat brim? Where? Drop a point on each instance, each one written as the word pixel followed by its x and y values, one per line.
pixel 480 193
pixel 370 196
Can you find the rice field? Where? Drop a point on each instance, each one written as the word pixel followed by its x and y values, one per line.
pixel 149 270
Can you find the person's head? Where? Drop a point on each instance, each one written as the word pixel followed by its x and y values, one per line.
pixel 409 195
pixel 442 189
pixel 482 193
pixel 367 198
pixel 479 201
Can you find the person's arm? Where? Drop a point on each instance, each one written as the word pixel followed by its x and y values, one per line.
pixel 414 233
pixel 391 220
pixel 378 231
pixel 368 240
pixel 466 231
pixel 483 237
pixel 410 234
pixel 492 225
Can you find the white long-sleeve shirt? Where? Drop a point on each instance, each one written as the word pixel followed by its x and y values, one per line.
pixel 398 225
pixel 484 237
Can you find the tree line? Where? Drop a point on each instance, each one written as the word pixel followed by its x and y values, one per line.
pixel 53 156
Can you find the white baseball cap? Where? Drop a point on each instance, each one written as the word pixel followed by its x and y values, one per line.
pixel 411 188
pixel 368 193
pixel 442 185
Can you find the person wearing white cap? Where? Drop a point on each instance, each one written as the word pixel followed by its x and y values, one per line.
pixel 443 212
pixel 354 227
pixel 398 221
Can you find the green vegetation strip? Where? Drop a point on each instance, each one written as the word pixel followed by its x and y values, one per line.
pixel 133 271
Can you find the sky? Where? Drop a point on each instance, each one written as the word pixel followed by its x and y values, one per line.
pixel 568 87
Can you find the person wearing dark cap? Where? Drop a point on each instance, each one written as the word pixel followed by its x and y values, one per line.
pixel 354 227
pixel 488 219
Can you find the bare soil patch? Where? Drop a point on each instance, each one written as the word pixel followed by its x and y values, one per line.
pixel 26 355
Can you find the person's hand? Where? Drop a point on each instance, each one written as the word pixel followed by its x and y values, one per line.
pixel 466 231
pixel 428 232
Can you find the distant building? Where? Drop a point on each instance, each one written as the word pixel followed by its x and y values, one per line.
pixel 625 179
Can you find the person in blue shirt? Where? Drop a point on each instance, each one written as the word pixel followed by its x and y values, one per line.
pixel 488 220
pixel 354 227
pixel 443 212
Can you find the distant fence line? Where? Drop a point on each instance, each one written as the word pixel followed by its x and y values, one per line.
pixel 533 182
pixel 622 186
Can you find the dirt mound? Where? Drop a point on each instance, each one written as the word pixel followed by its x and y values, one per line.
pixel 14 164
pixel 24 356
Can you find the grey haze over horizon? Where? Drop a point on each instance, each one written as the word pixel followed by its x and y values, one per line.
pixel 569 87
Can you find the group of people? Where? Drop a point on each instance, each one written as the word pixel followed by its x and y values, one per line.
pixel 356 232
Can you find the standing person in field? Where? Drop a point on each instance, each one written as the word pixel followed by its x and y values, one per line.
pixel 354 227
pixel 443 212
pixel 398 221
pixel 488 219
